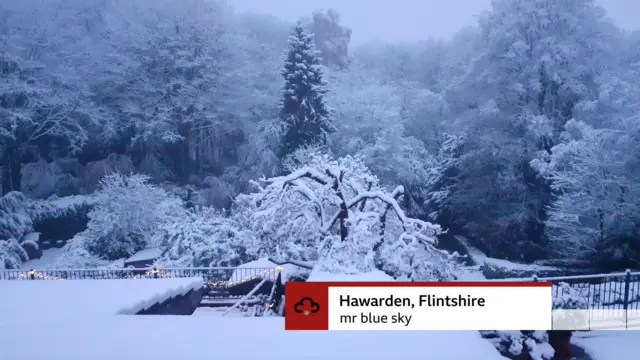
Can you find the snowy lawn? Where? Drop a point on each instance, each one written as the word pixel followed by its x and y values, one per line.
pixel 40 299
pixel 206 338
pixel 46 261
pixel 609 345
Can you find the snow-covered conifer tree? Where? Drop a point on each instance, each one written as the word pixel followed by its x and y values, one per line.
pixel 304 113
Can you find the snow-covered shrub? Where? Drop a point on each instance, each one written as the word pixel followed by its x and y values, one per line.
pixel 515 343
pixel 39 178
pixel 566 297
pixel 31 247
pixel 536 343
pixel 128 211
pixel 74 255
pixel 203 237
pixel 16 215
pixel 12 255
pixel 42 179
pixel 95 171
pixel 336 212
pixel 217 192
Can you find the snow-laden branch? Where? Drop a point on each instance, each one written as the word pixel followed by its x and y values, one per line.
pixel 423 230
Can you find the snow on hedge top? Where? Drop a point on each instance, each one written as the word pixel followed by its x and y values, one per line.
pixel 145 254
pixel 75 298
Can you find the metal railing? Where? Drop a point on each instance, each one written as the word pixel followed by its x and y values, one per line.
pixel 213 277
pixel 616 291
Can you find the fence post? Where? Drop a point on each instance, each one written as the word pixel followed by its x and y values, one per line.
pixel 627 284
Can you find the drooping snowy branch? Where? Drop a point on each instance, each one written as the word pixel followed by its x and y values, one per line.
pixel 333 210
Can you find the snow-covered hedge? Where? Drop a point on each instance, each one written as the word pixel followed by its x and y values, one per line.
pixel 18 214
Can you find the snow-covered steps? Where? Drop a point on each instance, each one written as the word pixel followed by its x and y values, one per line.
pixel 90 298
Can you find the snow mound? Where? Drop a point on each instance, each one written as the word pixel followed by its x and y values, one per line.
pixel 77 298
pixel 192 337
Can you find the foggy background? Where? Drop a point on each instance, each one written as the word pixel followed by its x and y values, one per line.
pixel 408 20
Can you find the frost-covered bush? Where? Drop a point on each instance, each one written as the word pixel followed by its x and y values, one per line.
pixel 128 211
pixel 12 255
pixel 336 212
pixel 204 237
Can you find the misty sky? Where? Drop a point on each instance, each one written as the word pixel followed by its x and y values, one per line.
pixel 408 20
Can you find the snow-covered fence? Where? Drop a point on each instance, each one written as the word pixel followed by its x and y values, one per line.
pixel 214 277
pixel 615 291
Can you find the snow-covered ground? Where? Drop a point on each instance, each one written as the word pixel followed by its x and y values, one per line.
pixel 480 258
pixel 609 345
pixel 204 338
pixel 42 299
pixel 46 261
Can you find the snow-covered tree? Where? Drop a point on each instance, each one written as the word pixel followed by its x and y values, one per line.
pixel 204 237
pixel 331 39
pixel 596 198
pixel 46 69
pixel 336 212
pixel 128 211
pixel 305 115
pixel 532 63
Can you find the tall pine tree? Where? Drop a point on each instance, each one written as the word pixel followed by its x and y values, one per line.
pixel 303 110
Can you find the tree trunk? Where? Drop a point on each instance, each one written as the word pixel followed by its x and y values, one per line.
pixel 11 166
